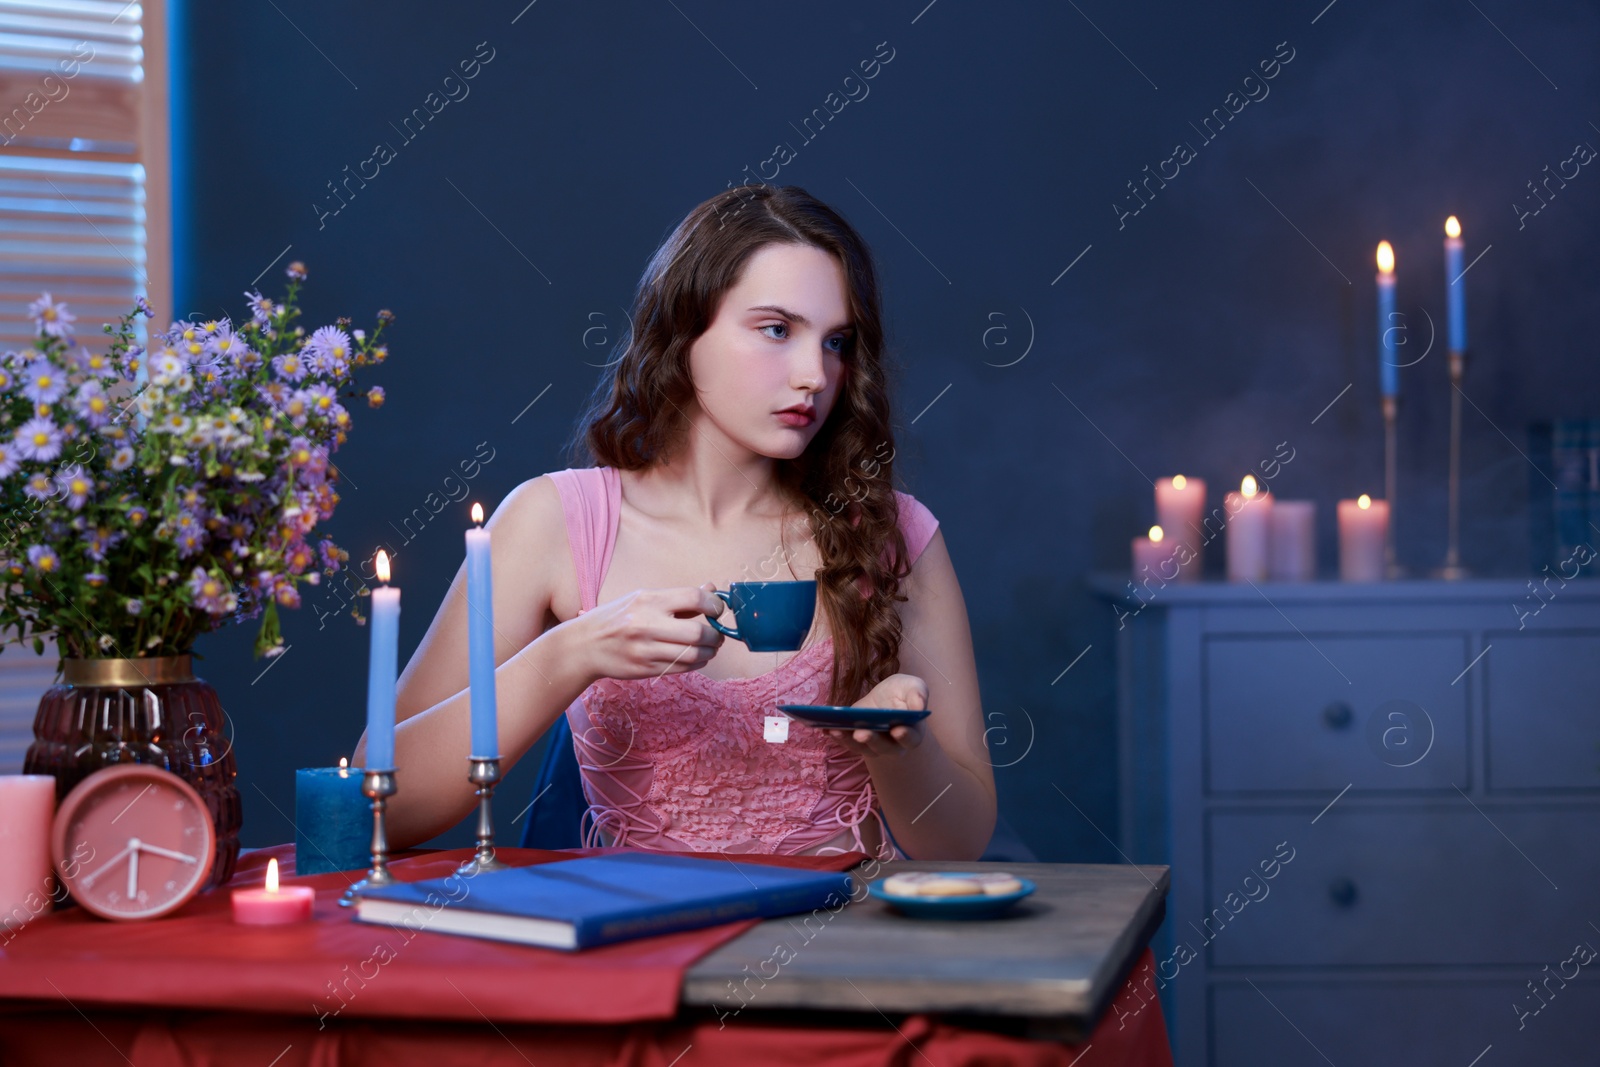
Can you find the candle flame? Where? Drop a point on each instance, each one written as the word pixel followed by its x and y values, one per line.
pixel 1385 257
pixel 1179 481
pixel 1156 534
pixel 1364 502
pixel 1452 227
pixel 381 565
pixel 272 875
pixel 1249 487
pixel 477 514
pixel 343 763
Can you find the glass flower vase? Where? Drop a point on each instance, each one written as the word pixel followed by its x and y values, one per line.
pixel 155 711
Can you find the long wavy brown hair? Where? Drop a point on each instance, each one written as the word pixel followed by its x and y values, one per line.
pixel 843 480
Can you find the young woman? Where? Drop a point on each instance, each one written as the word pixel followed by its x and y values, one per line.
pixel 743 434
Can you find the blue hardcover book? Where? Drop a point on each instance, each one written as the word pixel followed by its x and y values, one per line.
pixel 596 900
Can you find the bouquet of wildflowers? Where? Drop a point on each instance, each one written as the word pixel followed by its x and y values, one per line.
pixel 151 496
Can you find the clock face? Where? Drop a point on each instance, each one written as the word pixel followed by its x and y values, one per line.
pixel 133 842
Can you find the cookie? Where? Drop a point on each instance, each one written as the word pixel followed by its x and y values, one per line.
pixel 998 883
pixel 932 884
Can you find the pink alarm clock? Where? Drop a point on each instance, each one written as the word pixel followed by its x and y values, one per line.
pixel 133 841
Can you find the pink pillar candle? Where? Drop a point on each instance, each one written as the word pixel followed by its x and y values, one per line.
pixel 1249 514
pixel 1153 557
pixel 1292 549
pixel 1180 508
pixel 27 808
pixel 273 905
pixel 1363 527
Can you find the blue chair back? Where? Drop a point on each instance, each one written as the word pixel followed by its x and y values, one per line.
pixel 556 818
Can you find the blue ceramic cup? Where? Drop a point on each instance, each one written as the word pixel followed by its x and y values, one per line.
pixel 772 616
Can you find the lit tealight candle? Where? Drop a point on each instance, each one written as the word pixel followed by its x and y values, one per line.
pixel 273 905
pixel 1152 557
pixel 1249 530
pixel 1363 527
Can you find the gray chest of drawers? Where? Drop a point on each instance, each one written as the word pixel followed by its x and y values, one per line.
pixel 1381 807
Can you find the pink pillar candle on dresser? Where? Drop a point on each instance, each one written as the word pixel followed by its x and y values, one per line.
pixel 1180 506
pixel 27 808
pixel 1363 528
pixel 273 905
pixel 1249 514
pixel 1152 556
pixel 1292 548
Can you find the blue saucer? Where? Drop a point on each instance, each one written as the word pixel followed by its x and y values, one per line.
pixel 836 717
pixel 968 907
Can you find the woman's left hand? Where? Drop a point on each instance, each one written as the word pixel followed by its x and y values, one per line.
pixel 896 691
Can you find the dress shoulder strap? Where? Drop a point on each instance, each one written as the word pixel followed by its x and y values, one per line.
pixel 591 501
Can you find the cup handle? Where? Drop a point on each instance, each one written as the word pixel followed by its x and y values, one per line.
pixel 728 600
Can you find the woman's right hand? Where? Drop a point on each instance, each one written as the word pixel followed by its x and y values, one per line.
pixel 650 632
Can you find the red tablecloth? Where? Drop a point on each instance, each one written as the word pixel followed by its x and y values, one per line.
pixel 195 990
pixel 199 958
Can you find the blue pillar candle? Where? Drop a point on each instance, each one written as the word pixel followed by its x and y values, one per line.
pixel 381 668
pixel 480 641
pixel 1455 285
pixel 332 821
pixel 1388 329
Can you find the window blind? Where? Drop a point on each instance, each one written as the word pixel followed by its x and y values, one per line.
pixel 84 136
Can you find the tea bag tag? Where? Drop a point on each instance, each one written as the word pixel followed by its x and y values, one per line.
pixel 777 729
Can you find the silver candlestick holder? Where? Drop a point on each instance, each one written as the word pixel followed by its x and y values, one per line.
pixel 1453 570
pixel 485 774
pixel 1391 411
pixel 379 786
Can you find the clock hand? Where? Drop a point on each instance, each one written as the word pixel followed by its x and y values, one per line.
pixel 88 879
pixel 133 869
pixel 167 852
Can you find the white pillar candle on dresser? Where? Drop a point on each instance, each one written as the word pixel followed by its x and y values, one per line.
pixel 1249 514
pixel 1292 542
pixel 1363 528
pixel 1152 557
pixel 1180 505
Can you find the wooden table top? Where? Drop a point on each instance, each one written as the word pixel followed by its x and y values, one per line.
pixel 1052 963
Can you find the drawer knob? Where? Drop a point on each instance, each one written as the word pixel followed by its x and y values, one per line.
pixel 1338 715
pixel 1342 891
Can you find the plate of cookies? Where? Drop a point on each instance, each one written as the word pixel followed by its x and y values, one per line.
pixel 951 894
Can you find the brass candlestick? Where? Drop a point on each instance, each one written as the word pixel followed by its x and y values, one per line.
pixel 379 786
pixel 1452 569
pixel 1391 410
pixel 485 774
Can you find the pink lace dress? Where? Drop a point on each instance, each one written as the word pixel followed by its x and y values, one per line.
pixel 679 762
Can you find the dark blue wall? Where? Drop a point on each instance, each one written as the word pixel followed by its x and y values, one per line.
pixel 988 154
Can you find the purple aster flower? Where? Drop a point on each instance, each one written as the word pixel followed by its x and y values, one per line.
pixel 261 308
pixel 96 363
pixel 44 559
pixel 43 382
pixel 375 396
pixel 291 366
pixel 38 486
pixel 10 459
pixel 75 485
pixel 323 398
pixel 137 514
pixel 39 439
pixel 135 606
pixel 333 556
pixel 298 406
pixel 296 270
pixel 165 367
pixel 7 380
pixel 211 595
pixel 332 344
pixel 51 317
pixel 95 578
pixel 190 540
pixel 144 308
pixel 93 403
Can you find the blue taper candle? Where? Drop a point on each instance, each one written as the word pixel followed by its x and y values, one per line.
pixel 381 668
pixel 1388 359
pixel 480 641
pixel 1455 285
